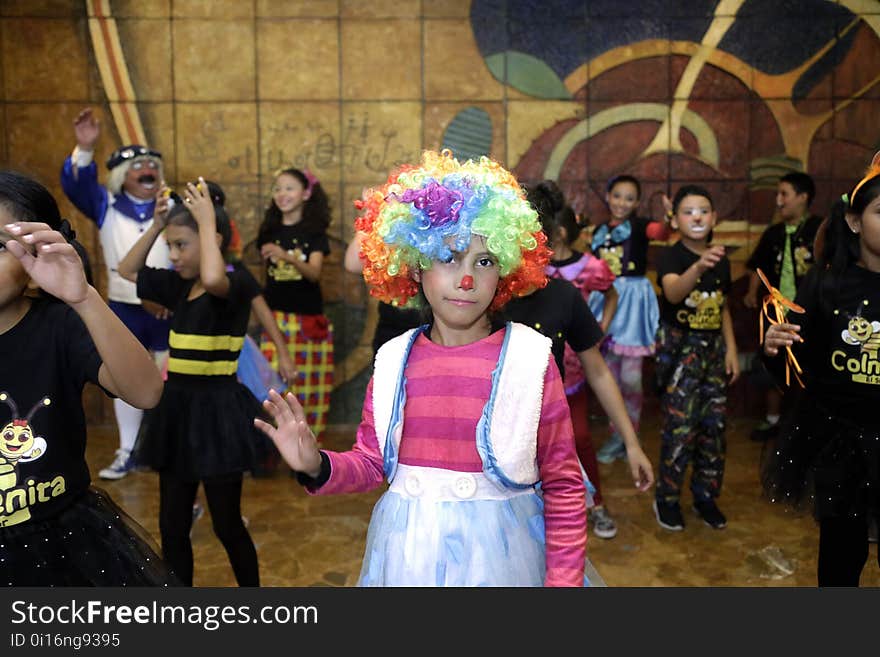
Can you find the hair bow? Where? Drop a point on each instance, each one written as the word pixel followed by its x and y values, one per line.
pixel 312 178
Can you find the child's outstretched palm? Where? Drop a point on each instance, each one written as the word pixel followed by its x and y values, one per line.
pixel 295 441
pixel 54 265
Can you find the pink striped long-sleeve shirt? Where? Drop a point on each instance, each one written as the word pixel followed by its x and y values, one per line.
pixel 446 390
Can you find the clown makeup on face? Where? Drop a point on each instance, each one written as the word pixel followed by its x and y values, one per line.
pixel 694 219
pixel 461 236
pixel 459 292
pixel 142 178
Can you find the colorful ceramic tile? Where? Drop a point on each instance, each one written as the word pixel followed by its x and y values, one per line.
pixel 527 121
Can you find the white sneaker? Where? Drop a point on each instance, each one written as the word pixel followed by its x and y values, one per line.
pixel 602 522
pixel 121 466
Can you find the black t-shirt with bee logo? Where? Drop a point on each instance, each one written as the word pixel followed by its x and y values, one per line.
pixel 701 309
pixel 768 255
pixel 47 359
pixel 286 288
pixel 840 354
pixel 624 247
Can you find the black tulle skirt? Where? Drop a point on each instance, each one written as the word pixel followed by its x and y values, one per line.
pixel 202 430
pixel 92 542
pixel 824 462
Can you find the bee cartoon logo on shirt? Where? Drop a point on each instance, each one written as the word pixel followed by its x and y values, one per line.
pixel 802 261
pixel 283 271
pixel 703 310
pixel 613 255
pixel 863 366
pixel 20 444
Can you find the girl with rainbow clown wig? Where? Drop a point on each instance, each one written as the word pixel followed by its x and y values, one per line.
pixel 465 416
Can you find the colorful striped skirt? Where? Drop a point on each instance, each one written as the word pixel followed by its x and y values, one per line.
pixel 309 341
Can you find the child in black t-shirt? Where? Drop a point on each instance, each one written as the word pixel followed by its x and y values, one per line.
pixel 696 360
pixel 828 452
pixel 293 242
pixel 55 529
pixel 202 430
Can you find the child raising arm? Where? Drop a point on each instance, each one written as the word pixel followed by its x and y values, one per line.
pixel 127 369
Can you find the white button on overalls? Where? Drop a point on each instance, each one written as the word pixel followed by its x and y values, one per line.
pixel 465 486
pixel 413 485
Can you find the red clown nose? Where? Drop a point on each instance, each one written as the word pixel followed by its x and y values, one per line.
pixel 467 282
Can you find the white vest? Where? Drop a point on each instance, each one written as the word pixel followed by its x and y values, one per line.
pixel 507 433
pixel 118 234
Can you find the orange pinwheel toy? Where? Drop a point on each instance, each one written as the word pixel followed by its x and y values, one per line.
pixel 779 303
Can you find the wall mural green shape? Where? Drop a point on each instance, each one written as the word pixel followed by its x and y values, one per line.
pixel 527 74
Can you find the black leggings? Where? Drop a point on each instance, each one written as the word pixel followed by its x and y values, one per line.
pixel 843 550
pixel 176 499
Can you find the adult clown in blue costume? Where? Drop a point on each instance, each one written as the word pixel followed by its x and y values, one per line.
pixel 122 210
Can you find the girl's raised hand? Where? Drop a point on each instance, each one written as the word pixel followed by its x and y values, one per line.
pixel 53 264
pixel 780 336
pixel 163 205
pixel 291 435
pixel 198 200
pixel 87 129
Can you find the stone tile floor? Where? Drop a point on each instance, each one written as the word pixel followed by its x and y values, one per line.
pixel 318 541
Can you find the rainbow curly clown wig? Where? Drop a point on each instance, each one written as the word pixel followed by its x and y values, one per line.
pixel 408 223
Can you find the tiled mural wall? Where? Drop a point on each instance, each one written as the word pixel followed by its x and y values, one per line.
pixel 728 93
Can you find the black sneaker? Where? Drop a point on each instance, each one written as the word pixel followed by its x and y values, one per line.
pixel 764 432
pixel 711 514
pixel 669 516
